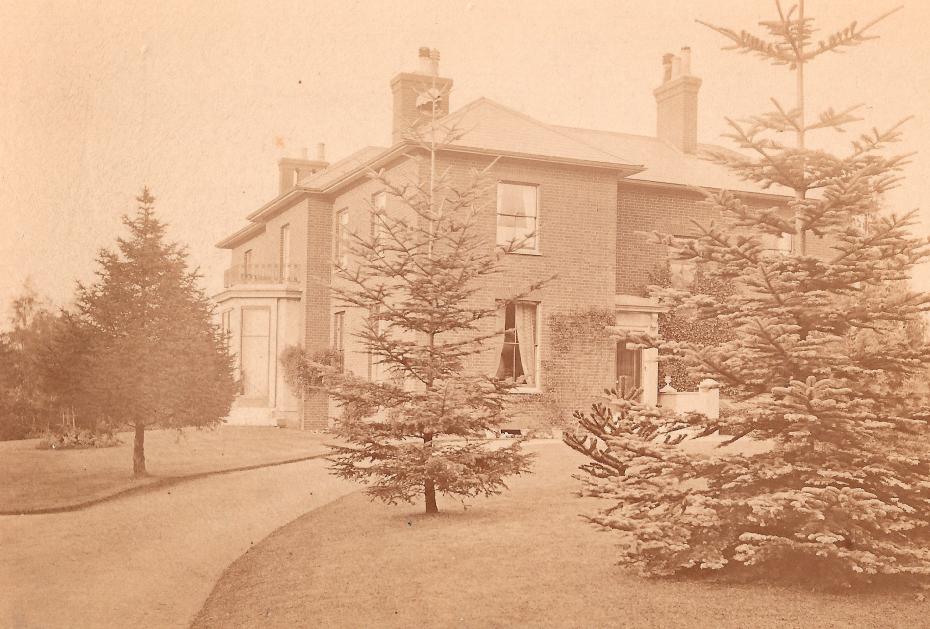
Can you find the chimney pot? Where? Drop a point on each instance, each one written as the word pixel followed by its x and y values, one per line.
pixel 424 67
pixel 667 67
pixel 321 152
pixel 434 62
pixel 686 61
pixel 676 67
pixel 303 153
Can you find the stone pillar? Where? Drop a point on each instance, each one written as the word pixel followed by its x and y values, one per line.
pixel 650 377
pixel 709 391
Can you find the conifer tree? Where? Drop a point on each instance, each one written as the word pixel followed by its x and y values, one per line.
pixel 155 358
pixel 843 491
pixel 421 428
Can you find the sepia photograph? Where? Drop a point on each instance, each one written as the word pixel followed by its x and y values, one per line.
pixel 464 313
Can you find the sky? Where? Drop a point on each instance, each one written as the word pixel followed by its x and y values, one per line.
pixel 198 100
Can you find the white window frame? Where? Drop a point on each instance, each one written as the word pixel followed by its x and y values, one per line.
pixel 497 214
pixel 341 240
pixel 537 386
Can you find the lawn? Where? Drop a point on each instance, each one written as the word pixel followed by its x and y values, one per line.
pixel 41 479
pixel 520 559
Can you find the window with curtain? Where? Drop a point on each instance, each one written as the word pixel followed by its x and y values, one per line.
pixel 519 350
pixel 341 240
pixel 517 214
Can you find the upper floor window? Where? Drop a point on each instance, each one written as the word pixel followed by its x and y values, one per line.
pixel 284 256
pixel 517 216
pixel 378 207
pixel 519 353
pixel 247 264
pixel 374 364
pixel 341 241
pixel 682 272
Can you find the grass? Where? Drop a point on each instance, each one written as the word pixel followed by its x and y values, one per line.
pixel 520 559
pixel 32 479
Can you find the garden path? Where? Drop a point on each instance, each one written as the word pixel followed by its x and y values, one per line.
pixel 151 559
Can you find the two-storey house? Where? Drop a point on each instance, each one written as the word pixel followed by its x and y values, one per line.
pixel 585 194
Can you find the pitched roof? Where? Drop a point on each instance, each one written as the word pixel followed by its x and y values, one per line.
pixel 487 125
pixel 665 163
pixel 336 171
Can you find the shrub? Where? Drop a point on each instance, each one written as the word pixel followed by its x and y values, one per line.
pixel 77 438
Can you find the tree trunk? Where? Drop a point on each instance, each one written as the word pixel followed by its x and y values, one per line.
pixel 429 487
pixel 138 452
pixel 429 491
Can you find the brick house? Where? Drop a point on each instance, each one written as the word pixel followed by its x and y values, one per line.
pixel 585 193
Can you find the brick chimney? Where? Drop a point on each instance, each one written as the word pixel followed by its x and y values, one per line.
pixel 414 92
pixel 677 102
pixel 293 169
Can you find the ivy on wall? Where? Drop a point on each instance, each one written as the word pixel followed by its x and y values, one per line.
pixel 580 350
pixel 684 325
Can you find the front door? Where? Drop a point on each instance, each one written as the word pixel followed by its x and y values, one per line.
pixel 629 368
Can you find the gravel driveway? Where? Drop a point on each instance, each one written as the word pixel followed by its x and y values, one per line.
pixel 148 560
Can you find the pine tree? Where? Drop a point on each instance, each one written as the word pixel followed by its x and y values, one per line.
pixel 156 358
pixel 843 491
pixel 418 276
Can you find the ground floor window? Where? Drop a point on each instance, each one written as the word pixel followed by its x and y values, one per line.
pixel 339 326
pixel 254 351
pixel 519 348
pixel 629 366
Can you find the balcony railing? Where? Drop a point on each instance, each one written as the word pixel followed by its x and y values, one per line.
pixel 288 274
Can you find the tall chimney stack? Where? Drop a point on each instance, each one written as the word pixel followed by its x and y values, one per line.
pixel 292 169
pixel 423 85
pixel 676 102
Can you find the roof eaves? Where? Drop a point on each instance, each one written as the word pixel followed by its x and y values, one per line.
pixel 276 203
pixel 243 234
pixel 628 169
pixel 698 189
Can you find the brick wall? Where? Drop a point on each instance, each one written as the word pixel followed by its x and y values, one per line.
pixel 316 299
pixel 646 208
pixel 577 242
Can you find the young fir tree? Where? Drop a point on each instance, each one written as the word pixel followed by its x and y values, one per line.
pixel 418 275
pixel 843 491
pixel 155 357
